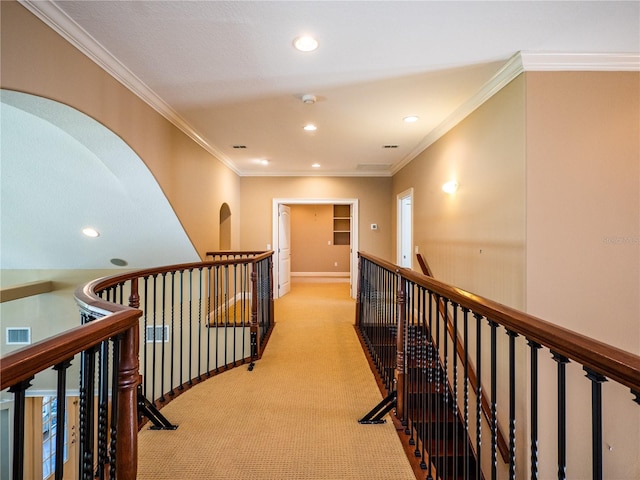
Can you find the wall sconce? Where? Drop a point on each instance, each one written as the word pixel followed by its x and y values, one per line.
pixel 450 187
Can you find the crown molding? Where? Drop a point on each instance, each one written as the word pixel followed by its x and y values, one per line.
pixel 61 23
pixel 517 64
pixel 580 62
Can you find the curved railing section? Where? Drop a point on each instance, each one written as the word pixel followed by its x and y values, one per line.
pixel 198 319
pixel 145 337
pixel 402 318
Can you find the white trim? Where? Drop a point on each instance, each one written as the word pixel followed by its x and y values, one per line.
pixel 320 274
pixel 355 228
pixel 506 74
pixel 407 193
pixel 574 62
pixel 67 28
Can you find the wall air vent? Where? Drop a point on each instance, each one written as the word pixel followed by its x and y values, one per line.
pixel 157 334
pixel 19 336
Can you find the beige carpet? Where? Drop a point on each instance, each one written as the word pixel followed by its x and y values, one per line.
pixel 294 416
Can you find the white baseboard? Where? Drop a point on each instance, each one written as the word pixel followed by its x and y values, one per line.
pixel 319 274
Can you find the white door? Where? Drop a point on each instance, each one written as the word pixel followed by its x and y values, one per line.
pixel 284 249
pixel 405 234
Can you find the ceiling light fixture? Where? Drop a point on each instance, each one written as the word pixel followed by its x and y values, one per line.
pixel 411 119
pixel 264 162
pixel 305 43
pixel 316 165
pixel 310 127
pixel 90 232
pixel 450 187
pixel 309 99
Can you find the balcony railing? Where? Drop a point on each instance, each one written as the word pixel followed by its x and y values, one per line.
pixel 146 336
pixel 402 317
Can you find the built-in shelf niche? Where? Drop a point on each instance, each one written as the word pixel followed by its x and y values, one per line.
pixel 342 224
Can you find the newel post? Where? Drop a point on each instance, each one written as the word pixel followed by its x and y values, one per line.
pixel 128 381
pixel 400 357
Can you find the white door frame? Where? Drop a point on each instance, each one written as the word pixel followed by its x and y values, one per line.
pixel 400 232
pixel 353 256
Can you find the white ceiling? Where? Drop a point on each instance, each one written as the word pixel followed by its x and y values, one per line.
pixel 227 73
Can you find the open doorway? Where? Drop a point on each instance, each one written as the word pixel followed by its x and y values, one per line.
pixel 280 275
pixel 225 227
pixel 405 228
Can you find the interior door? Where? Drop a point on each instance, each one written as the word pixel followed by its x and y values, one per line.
pixel 284 249
pixel 405 239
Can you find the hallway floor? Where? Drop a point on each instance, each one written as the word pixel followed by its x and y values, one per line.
pixel 294 416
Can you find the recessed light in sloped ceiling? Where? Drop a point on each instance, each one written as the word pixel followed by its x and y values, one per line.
pixel 63 171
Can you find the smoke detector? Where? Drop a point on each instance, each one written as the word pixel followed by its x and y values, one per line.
pixel 309 99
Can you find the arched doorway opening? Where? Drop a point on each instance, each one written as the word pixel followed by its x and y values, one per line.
pixel 225 227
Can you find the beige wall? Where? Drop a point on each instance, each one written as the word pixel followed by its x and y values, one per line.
pixel 38 61
pixel 312 247
pixel 475 238
pixel 583 239
pixel 373 195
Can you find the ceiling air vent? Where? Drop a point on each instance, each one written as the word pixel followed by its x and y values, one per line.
pixel 239 146
pixel 390 146
pixel 19 336
pixel 378 167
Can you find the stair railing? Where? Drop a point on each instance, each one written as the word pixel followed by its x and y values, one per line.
pixel 110 342
pixel 503 447
pixel 406 337
pixel 146 336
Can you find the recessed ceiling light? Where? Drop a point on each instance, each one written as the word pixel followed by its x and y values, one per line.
pixel 316 165
pixel 305 43
pixel 90 232
pixel 411 119
pixel 264 162
pixel 310 127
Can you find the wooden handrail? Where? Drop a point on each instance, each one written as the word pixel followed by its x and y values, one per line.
pixel 612 362
pixel 503 447
pixel 22 364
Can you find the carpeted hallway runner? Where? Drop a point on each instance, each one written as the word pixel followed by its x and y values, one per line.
pixel 293 417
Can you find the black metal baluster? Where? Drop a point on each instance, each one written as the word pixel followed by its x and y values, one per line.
pixel 155 339
pixel 190 353
pixel 438 441
pixel 235 308
pixel 430 390
pixel 208 321
pixel 512 404
pixel 596 422
pixel 114 407
pixel 218 310
pixel 454 405
pixel 494 401
pixel 445 388
pixel 103 403
pixel 562 415
pixel 181 367
pixel 465 342
pixel 61 406
pixel 162 339
pixel 225 311
pixel 87 382
pixel 18 391
pixel 173 329
pixel 478 396
pixel 200 323
pixel 534 408
pixel 144 334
